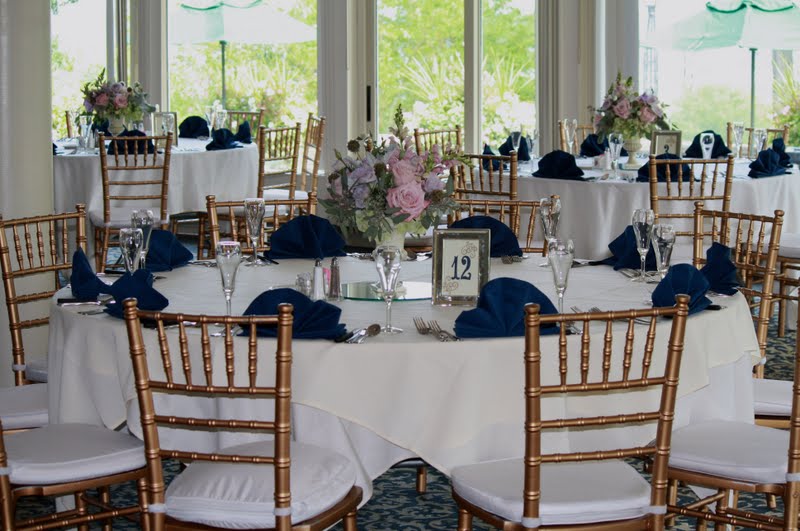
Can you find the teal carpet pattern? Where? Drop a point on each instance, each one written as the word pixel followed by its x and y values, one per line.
pixel 395 505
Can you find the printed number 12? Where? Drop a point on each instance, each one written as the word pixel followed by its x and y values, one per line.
pixel 466 261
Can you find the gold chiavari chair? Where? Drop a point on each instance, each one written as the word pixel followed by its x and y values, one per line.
pixel 581 132
pixel 278 156
pixel 486 177
pixel 749 141
pixel 237 118
pixel 671 201
pixel 128 159
pixel 424 140
pixel 572 490
pixel 263 497
pixel 519 216
pixel 226 220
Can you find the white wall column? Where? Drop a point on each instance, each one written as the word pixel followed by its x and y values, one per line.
pixel 26 162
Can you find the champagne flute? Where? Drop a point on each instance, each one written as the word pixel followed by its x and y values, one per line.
pixel 144 220
pixel 516 136
pixel 387 261
pixel 209 113
pixel 663 241
pixel 570 128
pixel 130 243
pixel 560 254
pixel 549 213
pixel 254 215
pixel 759 137
pixel 229 256
pixel 738 133
pixel 642 221
pixel 615 141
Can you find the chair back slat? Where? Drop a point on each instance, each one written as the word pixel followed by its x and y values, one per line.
pixel 278 155
pixel 477 178
pixel 749 140
pixel 425 140
pixel 520 216
pixel 581 132
pixel 237 118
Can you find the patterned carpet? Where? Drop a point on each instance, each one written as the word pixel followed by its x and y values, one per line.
pixel 395 505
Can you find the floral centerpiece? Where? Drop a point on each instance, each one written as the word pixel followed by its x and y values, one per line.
pixel 627 112
pixel 116 102
pixel 385 191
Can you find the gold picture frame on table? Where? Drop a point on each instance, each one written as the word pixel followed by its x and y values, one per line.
pixel 460 265
pixel 665 142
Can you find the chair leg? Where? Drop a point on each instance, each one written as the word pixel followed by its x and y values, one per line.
pixel 105 497
pixel 672 499
pixel 144 517
pixel 349 521
pixel 772 503
pixel 80 508
pixel 464 520
pixel 782 302
pixel 422 479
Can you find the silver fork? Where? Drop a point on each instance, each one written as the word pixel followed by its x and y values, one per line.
pixel 442 333
pixel 422 328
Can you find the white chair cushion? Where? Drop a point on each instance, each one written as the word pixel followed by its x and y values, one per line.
pixel 36 370
pixel 60 453
pixel 273 194
pixel 734 450
pixel 121 217
pixel 772 397
pixel 790 245
pixel 241 496
pixel 572 493
pixel 23 406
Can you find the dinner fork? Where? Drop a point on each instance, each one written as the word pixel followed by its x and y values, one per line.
pixel 442 333
pixel 422 328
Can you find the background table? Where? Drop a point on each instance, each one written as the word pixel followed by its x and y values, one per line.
pixel 398 396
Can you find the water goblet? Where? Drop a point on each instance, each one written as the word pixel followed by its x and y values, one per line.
pixel 615 141
pixel 254 215
pixel 167 123
pixel 738 134
pixel 130 244
pixel 663 242
pixel 229 256
pixel 85 128
pixel 759 137
pixel 642 221
pixel 387 262
pixel 144 220
pixel 549 213
pixel 570 128
pixel 560 254
pixel 707 144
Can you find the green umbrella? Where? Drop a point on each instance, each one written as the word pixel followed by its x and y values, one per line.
pixel 751 24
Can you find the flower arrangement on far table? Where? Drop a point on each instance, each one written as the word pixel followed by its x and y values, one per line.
pixel 388 190
pixel 628 112
pixel 115 101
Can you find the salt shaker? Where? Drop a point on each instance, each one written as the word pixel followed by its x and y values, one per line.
pixel 335 289
pixel 318 285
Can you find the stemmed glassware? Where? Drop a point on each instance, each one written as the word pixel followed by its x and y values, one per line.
pixel 220 118
pixel 85 129
pixel 254 215
pixel 707 144
pixel 759 137
pixel 663 241
pixel 738 134
pixel 387 261
pixel 560 254
pixel 229 256
pixel 533 139
pixel 615 141
pixel 209 110
pixel 570 128
pixel 549 213
pixel 144 220
pixel 516 137
pixel 167 123
pixel 642 221
pixel 130 244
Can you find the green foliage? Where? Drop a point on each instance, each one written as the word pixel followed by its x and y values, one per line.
pixel 712 107
pixel 56 4
pixel 786 87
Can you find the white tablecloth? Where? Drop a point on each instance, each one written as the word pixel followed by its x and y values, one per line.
pixel 595 212
pixel 396 396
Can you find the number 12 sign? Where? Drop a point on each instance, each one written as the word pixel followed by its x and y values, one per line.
pixel 460 265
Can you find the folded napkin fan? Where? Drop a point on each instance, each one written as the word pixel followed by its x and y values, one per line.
pixel 719 270
pixel 193 127
pixel 559 165
pixel 766 165
pixel 222 139
pixel 243 133
pixel 625 253
pixel 84 283
pixel 643 175
pixel 695 150
pixel 500 311
pixel 779 147
pixel 134 146
pixel 495 163
pixel 306 237
pixel 166 252
pixel 508 146
pixel 592 147
pixel 312 319
pixel 682 278
pixel 504 241
pixel 140 286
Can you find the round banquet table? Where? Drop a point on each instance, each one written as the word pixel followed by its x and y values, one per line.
pixel 395 397
pixel 596 210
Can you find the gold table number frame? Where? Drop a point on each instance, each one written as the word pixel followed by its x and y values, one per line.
pixel 460 265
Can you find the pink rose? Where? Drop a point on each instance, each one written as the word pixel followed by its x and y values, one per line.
pixel 409 198
pixel 622 108
pixel 404 171
pixel 101 100
pixel 432 182
pixel 647 115
pixel 121 101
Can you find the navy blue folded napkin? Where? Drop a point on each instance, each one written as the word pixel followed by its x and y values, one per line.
pixel 504 241
pixel 139 285
pixel 643 175
pixel 591 147
pixel 501 310
pixel 507 147
pixel 779 147
pixel 166 252
pixel 766 165
pixel 306 237
pixel 54 148
pixel 222 139
pixel 312 319
pixel 84 283
pixel 695 150
pixel 243 133
pixel 559 165
pixel 102 127
pixel 495 163
pixel 134 146
pixel 193 127
pixel 625 254
pixel 686 279
pixel 719 270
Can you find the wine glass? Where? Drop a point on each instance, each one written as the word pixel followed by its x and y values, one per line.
pixel 85 128
pixel 516 137
pixel 254 215
pixel 229 256
pixel 130 244
pixel 615 141
pixel 387 261
pixel 144 220
pixel 549 213
pixel 560 254
pixel 533 140
pixel 167 123
pixel 707 144
pixel 570 128
pixel 738 133
pixel 208 110
pixel 643 219
pixel 220 118
pixel 759 137
pixel 663 241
